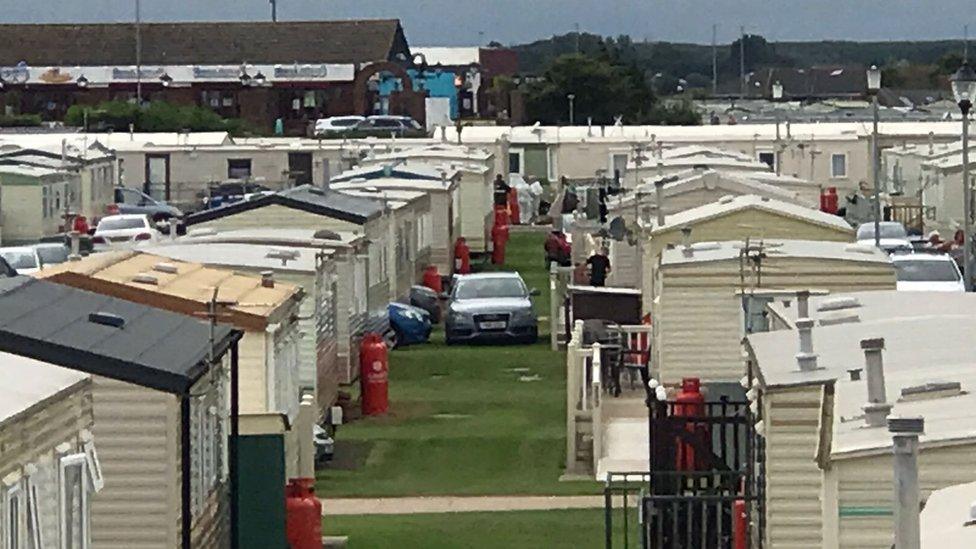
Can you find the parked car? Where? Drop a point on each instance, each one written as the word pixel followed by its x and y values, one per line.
pixel 232 191
pixel 490 307
pixel 134 201
pixel 5 269
pixel 411 325
pixel 123 231
pixel 336 125
pixel 384 126
pixel 24 259
pixel 894 237
pixel 927 273
pixel 52 253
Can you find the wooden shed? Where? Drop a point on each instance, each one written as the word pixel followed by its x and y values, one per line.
pixel 698 313
pixel 827 481
pixel 45 428
pixel 161 385
pixel 441 228
pixel 738 218
pixel 309 207
pixel 264 309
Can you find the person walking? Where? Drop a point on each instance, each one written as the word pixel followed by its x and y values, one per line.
pixel 599 267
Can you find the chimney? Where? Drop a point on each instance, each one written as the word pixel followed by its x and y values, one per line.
pixel 267 279
pixel 806 359
pixel 803 304
pixel 64 150
pixel 931 142
pixel 904 435
pixel 877 407
pixel 444 134
pixel 659 198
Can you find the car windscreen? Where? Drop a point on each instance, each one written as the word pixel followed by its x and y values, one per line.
pixel 926 271
pixel 51 255
pixel 344 122
pixel 20 259
pixel 121 224
pixel 489 287
pixel 888 230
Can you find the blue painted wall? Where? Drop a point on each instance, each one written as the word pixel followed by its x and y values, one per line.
pixel 439 83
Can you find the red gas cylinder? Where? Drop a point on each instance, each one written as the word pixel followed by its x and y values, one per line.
pixel 829 201
pixel 690 403
pixel 432 279
pixel 374 370
pixel 80 224
pixel 501 215
pixel 462 257
pixel 739 524
pixel 303 519
pixel 499 238
pixel 514 212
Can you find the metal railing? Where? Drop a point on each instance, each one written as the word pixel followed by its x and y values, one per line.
pixel 705 521
pixel 629 487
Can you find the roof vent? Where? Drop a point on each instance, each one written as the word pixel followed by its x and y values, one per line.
pixel 316 190
pixel 931 390
pixel 860 249
pixel 267 279
pixel 106 319
pixel 764 198
pixel 201 231
pixel 726 199
pixel 906 425
pixel 146 278
pixel 168 268
pixel 838 303
pixel 326 234
pixel 284 255
pixel 832 318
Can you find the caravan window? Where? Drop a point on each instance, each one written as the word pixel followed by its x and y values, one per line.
pixel 73 496
pixel 13 516
pixel 239 168
pixel 838 166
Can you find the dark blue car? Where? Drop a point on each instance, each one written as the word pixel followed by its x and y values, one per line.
pixel 410 324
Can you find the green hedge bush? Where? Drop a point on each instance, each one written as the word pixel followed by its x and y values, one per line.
pixel 156 116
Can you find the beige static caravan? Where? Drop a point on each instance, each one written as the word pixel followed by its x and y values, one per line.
pixel 45 429
pixel 264 309
pixel 33 201
pixel 698 307
pixel 806 504
pixel 737 218
pixel 691 189
pixel 162 413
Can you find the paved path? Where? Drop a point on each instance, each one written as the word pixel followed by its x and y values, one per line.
pixel 455 504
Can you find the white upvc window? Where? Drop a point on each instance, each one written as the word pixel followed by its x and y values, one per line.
pixel 838 166
pixel 73 484
pixel 13 505
pixel 91 461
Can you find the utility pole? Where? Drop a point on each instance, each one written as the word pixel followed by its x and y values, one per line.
pixel 578 50
pixel 742 62
pixel 138 54
pixel 274 10
pixel 714 60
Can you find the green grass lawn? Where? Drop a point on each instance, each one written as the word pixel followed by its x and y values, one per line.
pixel 464 420
pixel 576 528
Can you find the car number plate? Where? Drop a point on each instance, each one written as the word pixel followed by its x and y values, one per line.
pixel 495 325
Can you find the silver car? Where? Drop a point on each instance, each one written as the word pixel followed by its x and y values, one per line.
pixel 490 307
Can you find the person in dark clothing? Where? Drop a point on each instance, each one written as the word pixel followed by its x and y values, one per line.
pixel 599 268
pixel 501 191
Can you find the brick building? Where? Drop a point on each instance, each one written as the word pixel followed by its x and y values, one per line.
pixel 259 71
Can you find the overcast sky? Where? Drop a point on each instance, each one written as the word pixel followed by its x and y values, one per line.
pixel 459 22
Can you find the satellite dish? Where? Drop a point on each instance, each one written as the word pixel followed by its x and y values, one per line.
pixel 618 229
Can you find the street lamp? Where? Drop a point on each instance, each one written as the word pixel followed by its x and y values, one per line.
pixel 874 86
pixel 964 89
pixel 572 111
pixel 82 82
pixel 777 92
pixel 260 79
pixel 166 80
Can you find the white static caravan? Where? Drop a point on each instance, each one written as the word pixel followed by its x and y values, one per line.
pixel 409 242
pixel 947 519
pixel 699 293
pixel 48 455
pixel 441 228
pixel 161 406
pixel 476 188
pixel 812 498
pixel 316 209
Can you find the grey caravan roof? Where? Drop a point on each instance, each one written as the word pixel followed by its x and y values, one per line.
pixel 307 198
pixel 154 348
